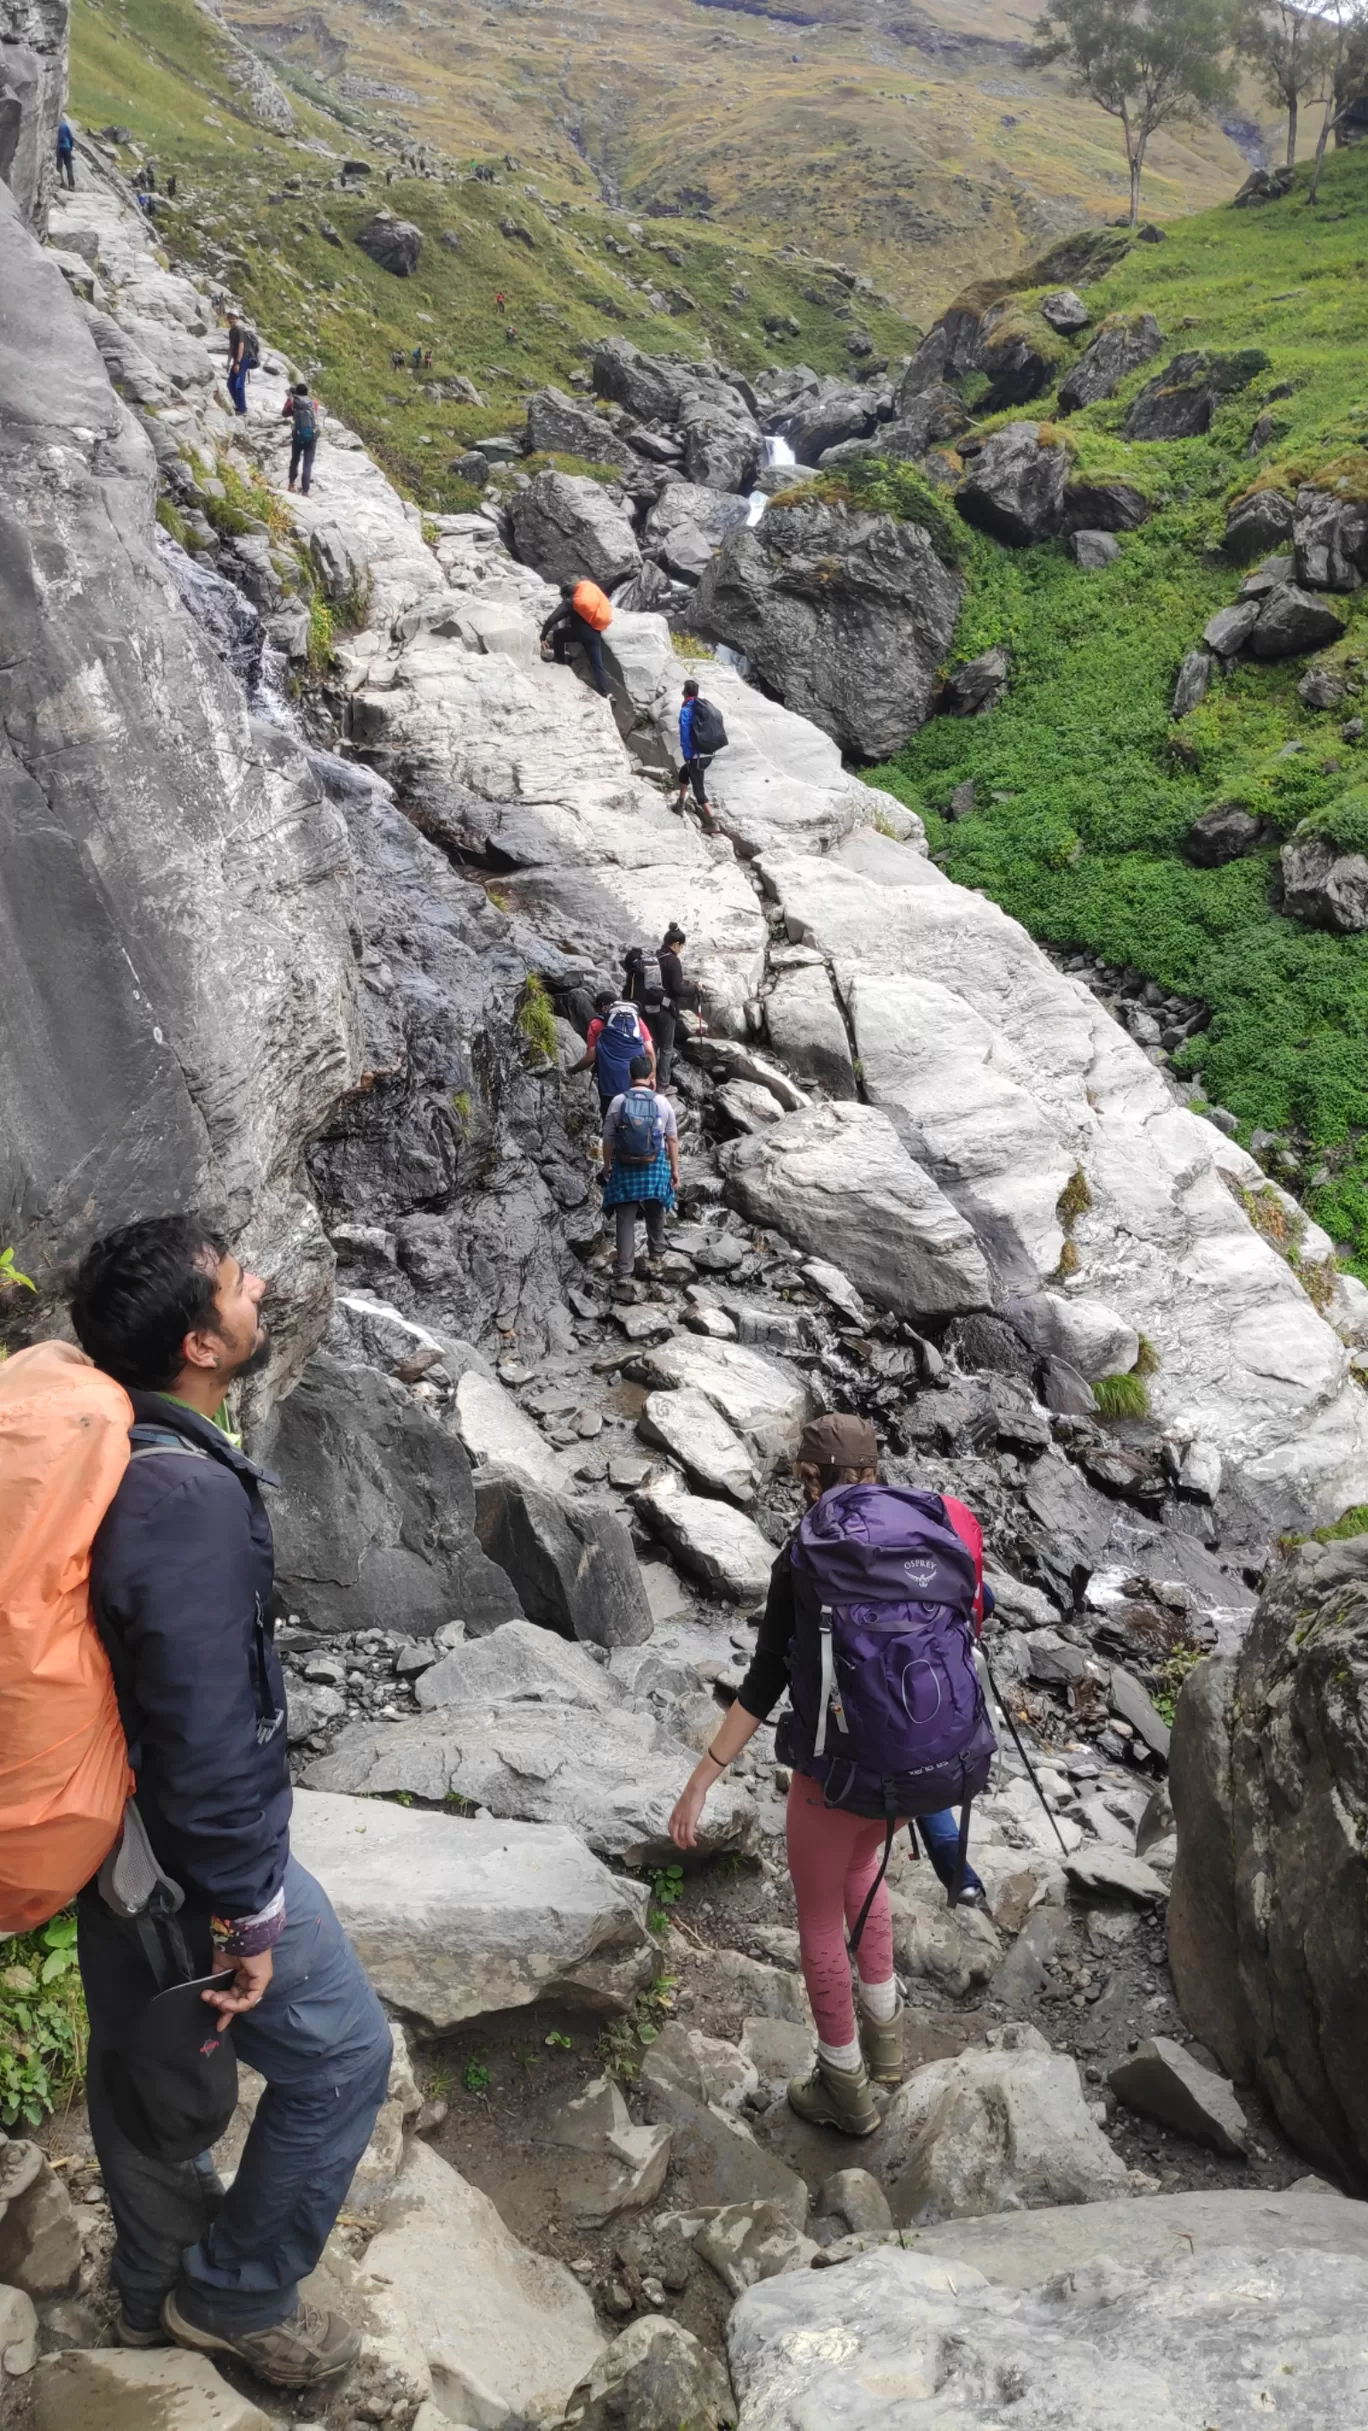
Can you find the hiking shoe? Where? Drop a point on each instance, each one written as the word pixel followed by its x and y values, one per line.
pixel 835 2097
pixel 973 1895
pixel 132 2333
pixel 308 2346
pixel 881 2040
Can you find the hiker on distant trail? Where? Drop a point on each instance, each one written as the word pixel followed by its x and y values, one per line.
pixel 499 303
pixel 243 357
pixel 616 1034
pixel 510 335
pixel 171 187
pixel 396 358
pixel 66 154
pixel 640 1168
pixel 584 615
pixel 301 409
pixel 416 358
pixel 873 1607
pixel 701 736
pixel 181 1589
pixel 427 358
pixel 675 993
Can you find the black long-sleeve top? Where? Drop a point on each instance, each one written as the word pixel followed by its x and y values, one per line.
pixel 767 1678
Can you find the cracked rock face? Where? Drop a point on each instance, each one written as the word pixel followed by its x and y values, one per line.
pixel 190 1010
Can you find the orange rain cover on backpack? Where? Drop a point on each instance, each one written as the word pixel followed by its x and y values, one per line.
pixel 589 602
pixel 64 1773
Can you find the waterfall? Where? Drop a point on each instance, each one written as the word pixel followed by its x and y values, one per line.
pixel 778 453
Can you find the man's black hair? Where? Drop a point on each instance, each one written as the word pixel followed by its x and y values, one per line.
pixel 140 1291
pixel 674 934
pixel 301 388
pixel 691 689
pixel 604 998
pixel 567 590
pixel 640 1067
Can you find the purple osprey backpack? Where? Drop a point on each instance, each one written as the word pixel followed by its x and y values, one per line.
pixel 887 1710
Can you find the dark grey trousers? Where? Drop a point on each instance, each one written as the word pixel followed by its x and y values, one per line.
pixel 624 1219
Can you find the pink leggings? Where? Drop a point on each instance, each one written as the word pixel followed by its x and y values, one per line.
pixel 833 1859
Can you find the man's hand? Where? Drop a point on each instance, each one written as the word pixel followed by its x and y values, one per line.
pixel 250 1978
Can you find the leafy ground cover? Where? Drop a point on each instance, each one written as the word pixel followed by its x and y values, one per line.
pixel 1084 785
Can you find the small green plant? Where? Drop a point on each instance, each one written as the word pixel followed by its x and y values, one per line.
pixel 621 2044
pixel 43 2027
pixel 1184 1658
pixel 1122 1396
pixel 171 520
pixel 688 645
pixel 460 1104
pixel 475 2075
pixel 10 1277
pixel 1353 1522
pixel 432 531
pixel 1147 1360
pixel 1069 1262
pixel 455 1804
pixel 319 653
pixel 1074 1199
pixel 555 2041
pixel 667 1885
pixel 535 1019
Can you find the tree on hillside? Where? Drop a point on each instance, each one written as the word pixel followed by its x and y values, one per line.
pixel 1346 24
pixel 1147 63
pixel 1291 53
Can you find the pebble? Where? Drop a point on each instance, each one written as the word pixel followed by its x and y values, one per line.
pixel 326 1672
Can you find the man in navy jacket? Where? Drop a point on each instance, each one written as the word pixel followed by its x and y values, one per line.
pixel 181 1584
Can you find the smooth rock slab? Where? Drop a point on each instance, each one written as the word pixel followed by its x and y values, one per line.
pixel 894 2341
pixel 840 1174
pixel 1114 1875
pixel 104 2389
pixel 614 2165
pixel 506 2332
pixel 997 2129
pixel 613 1779
pixel 519 1661
pixel 1024 2248
pixel 748 2242
pixel 720 1545
pixel 687 1424
pixel 1162 2081
pixel 455 1918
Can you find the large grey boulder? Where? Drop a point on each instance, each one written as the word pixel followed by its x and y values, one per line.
pixel 1065 312
pixel 1292 620
pixel 765 1403
pixel 1121 345
pixel 520 1661
pixel 454 1918
pixel 1023 2249
pixel 571 1564
pixel 180 1017
pixel 1162 2081
pixel 558 425
pixel 687 523
pixel 374 1517
pixel 612 1778
pixel 571 530
pixel 507 2332
pixel 1014 488
pixel 718 1543
pixel 1260 524
pixel 395 244
pixel 895 2337
pixel 1180 401
pixel 648 385
pixel 1001 2128
pixel 685 1423
pixel 1324 886
pixel 1223 833
pixel 840 1173
pixel 846 616
pixel 1329 533
pixel 1267 1789
pixel 825 416
pixel 722 445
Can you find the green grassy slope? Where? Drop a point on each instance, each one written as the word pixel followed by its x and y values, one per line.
pixel 1084 785
pixel 161 69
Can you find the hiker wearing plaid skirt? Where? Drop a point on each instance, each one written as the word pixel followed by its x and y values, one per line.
pixel 640 1167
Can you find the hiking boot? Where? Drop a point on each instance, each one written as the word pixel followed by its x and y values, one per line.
pixel 133 2334
pixel 308 2346
pixel 835 2097
pixel 881 2040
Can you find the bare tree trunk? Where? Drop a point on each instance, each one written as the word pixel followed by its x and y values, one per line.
pixel 1321 141
pixel 1135 158
pixel 1292 131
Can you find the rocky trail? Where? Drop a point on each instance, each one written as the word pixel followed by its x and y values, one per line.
pixel 523 1527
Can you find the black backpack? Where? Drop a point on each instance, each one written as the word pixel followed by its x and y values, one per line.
pixel 709 733
pixel 251 350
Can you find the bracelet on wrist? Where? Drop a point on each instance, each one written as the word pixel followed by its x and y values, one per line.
pixel 720 1761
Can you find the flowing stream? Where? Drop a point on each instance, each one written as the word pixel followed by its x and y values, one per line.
pixel 777 452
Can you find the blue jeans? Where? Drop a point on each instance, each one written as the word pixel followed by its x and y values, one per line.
pixel 237 385
pixel 321 2040
pixel 940 1837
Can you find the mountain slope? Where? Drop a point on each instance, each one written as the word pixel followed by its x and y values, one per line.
pixel 1085 785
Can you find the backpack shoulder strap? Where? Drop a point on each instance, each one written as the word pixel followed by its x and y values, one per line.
pixel 148 1440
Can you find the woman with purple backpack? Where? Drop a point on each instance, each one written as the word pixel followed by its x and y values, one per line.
pixel 870 1621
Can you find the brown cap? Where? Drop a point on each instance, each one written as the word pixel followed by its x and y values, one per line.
pixel 839 1442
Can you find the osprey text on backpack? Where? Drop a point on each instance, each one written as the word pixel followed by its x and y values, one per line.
pixel 708 732
pixel 887 1713
pixel 621 1037
pixel 640 1133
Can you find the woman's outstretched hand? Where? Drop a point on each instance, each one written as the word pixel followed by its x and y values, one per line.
pixel 688 1812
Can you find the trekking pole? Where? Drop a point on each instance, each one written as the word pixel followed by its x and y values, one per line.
pixel 1011 1725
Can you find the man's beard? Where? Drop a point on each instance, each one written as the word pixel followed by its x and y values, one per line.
pixel 258 1358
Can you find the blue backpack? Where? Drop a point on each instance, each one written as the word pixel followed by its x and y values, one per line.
pixel 887 1713
pixel 640 1133
pixel 620 1039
